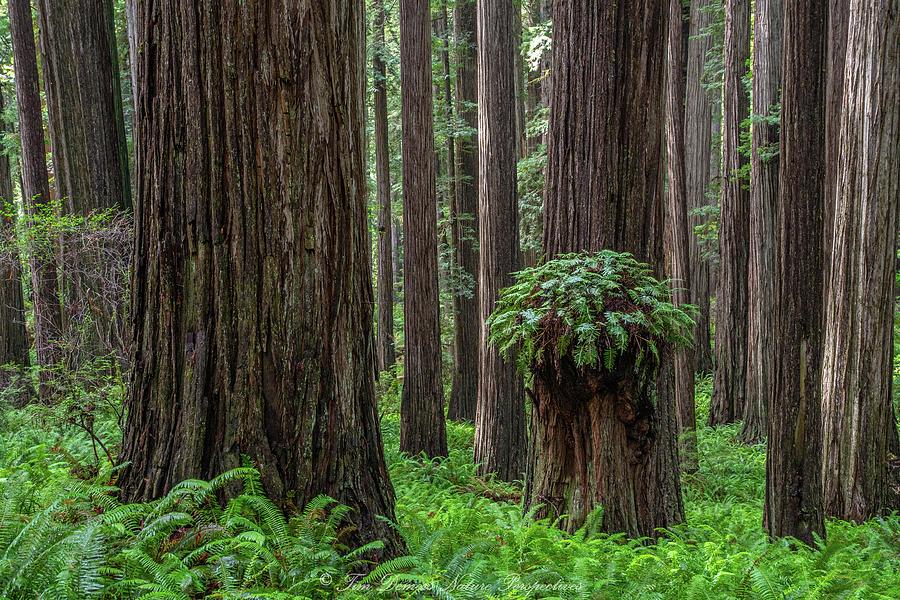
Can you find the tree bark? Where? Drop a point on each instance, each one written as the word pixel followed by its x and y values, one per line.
pixel 252 304
pixel 464 394
pixel 35 190
pixel 612 449
pixel 500 422
pixel 729 389
pixel 677 252
pixel 793 504
pixel 697 159
pixel 767 43
pixel 386 352
pixel 14 344
pixel 838 19
pixel 857 369
pixel 87 132
pixel 422 426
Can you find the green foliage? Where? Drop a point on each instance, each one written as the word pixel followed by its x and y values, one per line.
pixel 592 308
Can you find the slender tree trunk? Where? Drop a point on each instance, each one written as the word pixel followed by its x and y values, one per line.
pixel 14 344
pixel 793 460
pixel 88 134
pixel 445 93
pixel 463 398
pixel 677 252
pixel 422 406
pixel 857 369
pixel 386 353
pixel 252 284
pixel 35 189
pixel 767 42
pixel 729 390
pixel 618 450
pixel 697 159
pixel 519 79
pixel 538 13
pixel 500 423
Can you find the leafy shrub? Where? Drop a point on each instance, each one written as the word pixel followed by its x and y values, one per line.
pixel 592 308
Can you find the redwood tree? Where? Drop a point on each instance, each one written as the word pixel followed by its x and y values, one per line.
pixel 252 298
pixel 464 393
pixel 87 131
pixel 767 42
pixel 35 186
pixel 793 504
pixel 500 421
pixel 857 368
pixel 731 297
pixel 422 426
pixel 14 344
pixel 604 190
pixel 677 251
pixel 386 351
pixel 698 118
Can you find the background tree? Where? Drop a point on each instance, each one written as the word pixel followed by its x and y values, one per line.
pixel 14 342
pixel 856 381
pixel 731 298
pixel 252 306
pixel 386 351
pixel 793 459
pixel 677 251
pixel 500 421
pixel 87 130
pixel 464 393
pixel 767 42
pixel 35 189
pixel 698 157
pixel 608 172
pixel 422 406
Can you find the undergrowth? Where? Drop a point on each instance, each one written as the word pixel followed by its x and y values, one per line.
pixel 63 536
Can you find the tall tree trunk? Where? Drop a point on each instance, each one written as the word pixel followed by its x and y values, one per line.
pixel 857 369
pixel 729 390
pixel 697 159
pixel 35 190
pixel 538 13
pixel 252 284
pixel 14 344
pixel 422 405
pixel 793 461
pixel 464 394
pixel 445 93
pixel 677 252
pixel 519 80
pixel 838 19
pixel 386 353
pixel 767 42
pixel 604 165
pixel 500 422
pixel 80 62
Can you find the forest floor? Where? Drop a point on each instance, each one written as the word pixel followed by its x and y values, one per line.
pixel 62 534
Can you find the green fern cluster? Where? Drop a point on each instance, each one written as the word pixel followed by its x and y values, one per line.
pixel 593 308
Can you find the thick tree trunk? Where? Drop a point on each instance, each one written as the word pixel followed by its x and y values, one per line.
pixel 422 404
pixel 793 460
pixel 697 159
pixel 857 369
pixel 767 42
pixel 677 251
pixel 35 189
pixel 500 422
pixel 464 394
pixel 386 352
pixel 729 390
pixel 80 60
pixel 252 306
pixel 14 344
pixel 615 449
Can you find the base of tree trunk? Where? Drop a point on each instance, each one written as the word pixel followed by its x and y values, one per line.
pixel 596 442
